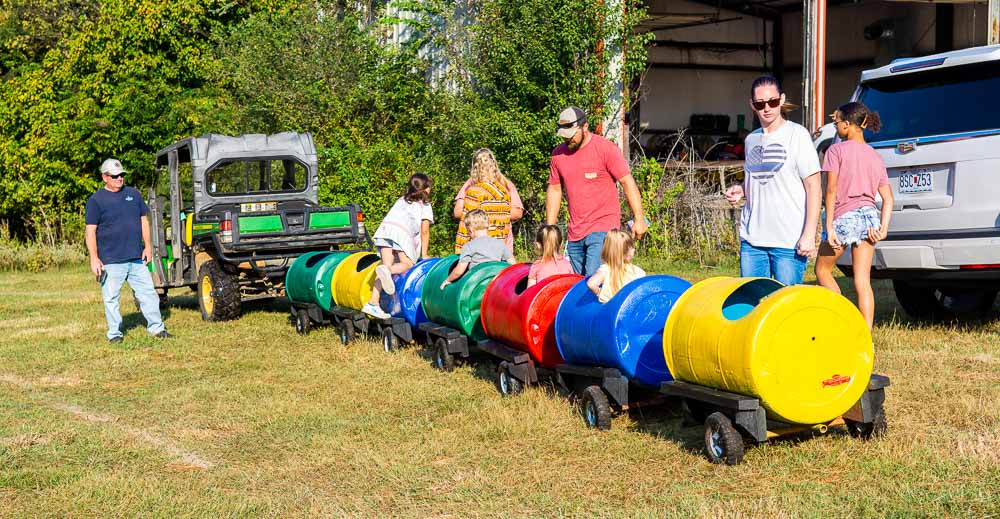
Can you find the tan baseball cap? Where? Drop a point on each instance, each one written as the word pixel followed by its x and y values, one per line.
pixel 570 120
pixel 112 167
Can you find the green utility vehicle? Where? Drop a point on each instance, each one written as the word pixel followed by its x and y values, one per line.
pixel 228 215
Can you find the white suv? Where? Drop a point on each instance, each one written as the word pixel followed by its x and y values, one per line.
pixel 940 141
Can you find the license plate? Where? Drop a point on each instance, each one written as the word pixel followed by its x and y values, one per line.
pixel 258 207
pixel 916 181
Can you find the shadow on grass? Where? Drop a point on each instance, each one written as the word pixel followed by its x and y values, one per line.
pixel 888 311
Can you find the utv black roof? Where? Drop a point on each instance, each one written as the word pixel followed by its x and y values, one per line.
pixel 210 148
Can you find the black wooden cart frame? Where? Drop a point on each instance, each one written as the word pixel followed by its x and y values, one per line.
pixel 731 417
pixel 602 391
pixel 515 369
pixel 349 323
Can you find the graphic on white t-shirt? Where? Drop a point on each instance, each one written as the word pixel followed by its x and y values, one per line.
pixel 763 161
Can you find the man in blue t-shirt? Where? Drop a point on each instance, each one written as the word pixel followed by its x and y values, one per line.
pixel 119 246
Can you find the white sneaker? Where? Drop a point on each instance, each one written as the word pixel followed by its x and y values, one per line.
pixel 374 311
pixel 385 276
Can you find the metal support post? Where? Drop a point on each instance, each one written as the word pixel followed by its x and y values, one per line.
pixel 814 63
pixel 994 29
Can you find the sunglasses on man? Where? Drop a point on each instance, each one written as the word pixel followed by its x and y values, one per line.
pixel 773 103
pixel 563 126
pixel 115 177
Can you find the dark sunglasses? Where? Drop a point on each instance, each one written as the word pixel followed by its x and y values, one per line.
pixel 563 126
pixel 773 103
pixel 115 177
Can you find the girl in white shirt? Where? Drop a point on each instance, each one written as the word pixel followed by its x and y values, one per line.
pixel 401 239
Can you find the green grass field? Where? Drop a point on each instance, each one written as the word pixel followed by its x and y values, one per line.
pixel 246 418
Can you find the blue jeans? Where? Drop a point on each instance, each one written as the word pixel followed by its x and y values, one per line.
pixel 585 255
pixel 138 277
pixel 784 265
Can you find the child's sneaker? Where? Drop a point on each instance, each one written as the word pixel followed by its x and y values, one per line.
pixel 374 311
pixel 385 276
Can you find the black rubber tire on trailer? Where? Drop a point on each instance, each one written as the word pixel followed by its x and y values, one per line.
pixel 302 321
pixel 507 384
pixel 595 408
pixel 869 431
pixel 218 293
pixel 936 304
pixel 346 331
pixel 723 443
pixel 443 359
pixel 390 343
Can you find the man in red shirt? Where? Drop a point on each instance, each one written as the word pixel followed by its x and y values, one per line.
pixel 588 166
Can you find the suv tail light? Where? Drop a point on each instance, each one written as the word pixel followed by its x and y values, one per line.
pixel 980 266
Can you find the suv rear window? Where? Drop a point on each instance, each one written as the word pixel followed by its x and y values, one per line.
pixel 935 102
pixel 241 177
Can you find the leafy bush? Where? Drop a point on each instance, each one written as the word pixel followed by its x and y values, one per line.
pixel 117 78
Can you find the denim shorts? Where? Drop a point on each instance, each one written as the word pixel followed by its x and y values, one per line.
pixel 852 226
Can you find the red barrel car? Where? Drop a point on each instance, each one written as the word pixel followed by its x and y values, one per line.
pixel 522 317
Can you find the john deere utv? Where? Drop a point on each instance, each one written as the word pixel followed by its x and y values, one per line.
pixel 229 214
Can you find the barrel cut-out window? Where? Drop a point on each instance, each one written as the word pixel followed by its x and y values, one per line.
pixel 367 261
pixel 744 299
pixel 521 285
pixel 452 268
pixel 311 262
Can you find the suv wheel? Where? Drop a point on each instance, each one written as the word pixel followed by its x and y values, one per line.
pixel 218 293
pixel 933 303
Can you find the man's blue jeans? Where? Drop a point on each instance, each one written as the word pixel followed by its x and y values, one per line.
pixel 138 277
pixel 784 265
pixel 585 255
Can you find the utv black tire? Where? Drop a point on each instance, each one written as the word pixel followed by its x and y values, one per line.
pixel 218 293
pixel 943 304
pixel 595 408
pixel 723 443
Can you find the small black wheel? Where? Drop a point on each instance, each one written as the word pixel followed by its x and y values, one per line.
pixel 723 444
pixel 507 384
pixel 443 359
pixel 595 408
pixel 389 341
pixel 869 431
pixel 346 329
pixel 302 322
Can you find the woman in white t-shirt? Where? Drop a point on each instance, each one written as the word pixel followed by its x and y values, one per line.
pixel 782 191
pixel 401 239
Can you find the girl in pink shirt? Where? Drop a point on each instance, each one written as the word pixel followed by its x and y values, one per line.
pixel 548 243
pixel 855 173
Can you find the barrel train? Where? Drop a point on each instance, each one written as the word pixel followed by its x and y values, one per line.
pixel 748 357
